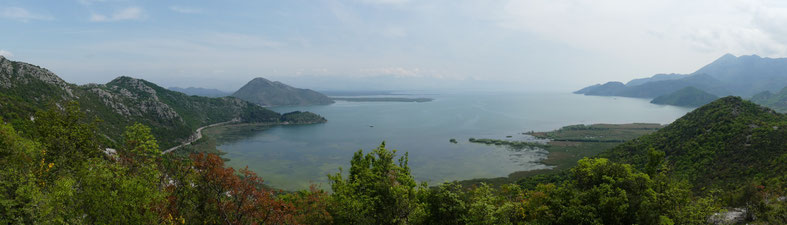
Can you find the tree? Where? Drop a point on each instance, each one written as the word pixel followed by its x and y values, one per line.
pixel 68 136
pixel 227 198
pixel 377 190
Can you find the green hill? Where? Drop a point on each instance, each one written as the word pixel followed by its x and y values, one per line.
pixel 273 93
pixel 688 96
pixel 172 116
pixel 777 101
pixel 726 144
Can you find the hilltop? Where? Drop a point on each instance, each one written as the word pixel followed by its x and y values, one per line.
pixel 688 96
pixel 273 93
pixel 725 144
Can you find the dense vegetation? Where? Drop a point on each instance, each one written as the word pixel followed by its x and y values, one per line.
pixel 56 173
pixel 298 117
pixel 172 116
pixel 727 145
pixel 269 93
pixel 688 96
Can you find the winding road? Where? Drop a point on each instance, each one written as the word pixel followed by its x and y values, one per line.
pixel 198 134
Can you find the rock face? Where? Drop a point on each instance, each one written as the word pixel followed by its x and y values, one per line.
pixel 267 93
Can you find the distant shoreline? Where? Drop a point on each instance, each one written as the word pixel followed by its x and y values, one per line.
pixel 381 99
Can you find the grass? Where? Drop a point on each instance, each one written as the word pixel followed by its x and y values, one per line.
pixel 568 145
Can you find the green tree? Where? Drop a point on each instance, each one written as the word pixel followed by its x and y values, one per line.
pixel 68 136
pixel 377 190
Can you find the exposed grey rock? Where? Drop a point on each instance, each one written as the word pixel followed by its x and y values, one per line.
pixel 732 216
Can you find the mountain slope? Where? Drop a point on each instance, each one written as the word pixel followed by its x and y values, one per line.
pixel 204 92
pixel 172 116
pixel 607 89
pixel 728 75
pixel 725 144
pixel 749 74
pixel 777 101
pixel 267 93
pixel 688 96
pixel 657 77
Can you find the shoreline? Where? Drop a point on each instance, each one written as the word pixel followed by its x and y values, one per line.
pixel 235 122
pixel 197 135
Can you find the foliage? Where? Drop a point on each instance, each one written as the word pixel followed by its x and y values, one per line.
pixel 376 191
pixel 298 117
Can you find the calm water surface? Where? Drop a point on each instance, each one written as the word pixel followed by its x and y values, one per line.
pixel 293 157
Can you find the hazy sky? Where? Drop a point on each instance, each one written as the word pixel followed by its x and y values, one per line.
pixel 525 45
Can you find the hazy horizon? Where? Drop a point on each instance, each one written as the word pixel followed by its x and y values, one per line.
pixel 533 45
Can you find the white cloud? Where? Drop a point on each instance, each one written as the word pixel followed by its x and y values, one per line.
pixel 636 27
pixel 21 14
pixel 130 13
pixel 6 54
pixel 185 10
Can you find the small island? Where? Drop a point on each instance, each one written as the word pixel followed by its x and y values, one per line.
pixel 381 99
pixel 298 117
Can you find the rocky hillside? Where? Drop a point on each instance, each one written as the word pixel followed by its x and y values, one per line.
pixel 173 116
pixel 273 93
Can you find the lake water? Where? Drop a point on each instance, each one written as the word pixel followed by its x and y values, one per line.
pixel 293 157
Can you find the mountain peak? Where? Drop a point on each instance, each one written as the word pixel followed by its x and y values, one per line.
pixel 264 92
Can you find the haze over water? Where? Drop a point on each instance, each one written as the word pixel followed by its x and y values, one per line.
pixel 293 157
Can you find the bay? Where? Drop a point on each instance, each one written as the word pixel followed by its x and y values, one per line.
pixel 297 156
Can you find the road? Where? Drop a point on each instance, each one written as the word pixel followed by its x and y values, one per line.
pixel 198 134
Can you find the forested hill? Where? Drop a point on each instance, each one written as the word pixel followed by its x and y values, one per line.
pixel 172 116
pixel 727 144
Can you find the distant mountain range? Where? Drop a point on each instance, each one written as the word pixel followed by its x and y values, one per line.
pixel 205 92
pixel 273 93
pixel 172 116
pixel 729 75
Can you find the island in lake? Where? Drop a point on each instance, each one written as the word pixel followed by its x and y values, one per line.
pixel 381 99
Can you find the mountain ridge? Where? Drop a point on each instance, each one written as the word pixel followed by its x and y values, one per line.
pixel 172 116
pixel 728 75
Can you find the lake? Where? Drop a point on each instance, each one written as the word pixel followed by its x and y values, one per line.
pixel 294 157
